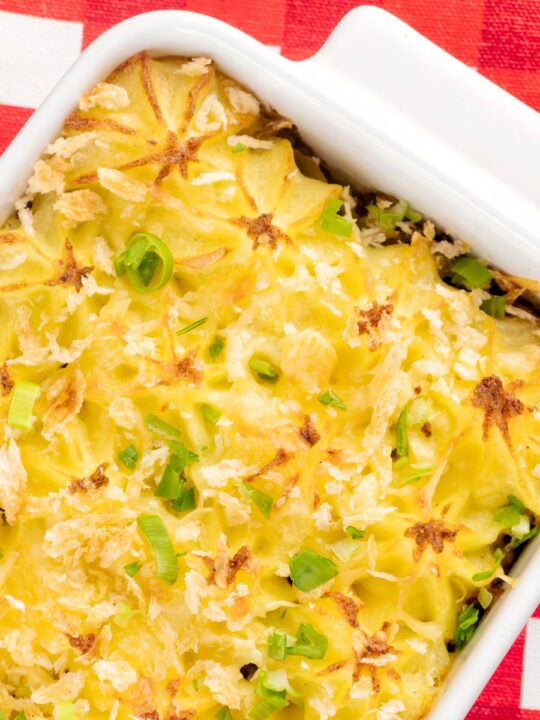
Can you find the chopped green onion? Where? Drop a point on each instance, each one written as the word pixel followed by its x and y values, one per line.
pixel 516 502
pixel 2 716
pixel 330 398
pixel 170 484
pixel 195 684
pixel 401 462
pixel 193 326
pixel 309 643
pixel 354 532
pixel 484 598
pixel 507 516
pixel 22 402
pixel 330 221
pixel 271 700
pixel 185 456
pixel 239 147
pixel 344 550
pixel 263 501
pixel 20 716
pixel 277 645
pixel 494 306
pixel 468 272
pixel 129 457
pixel 522 527
pixel 418 475
pixel 466 625
pixel 65 711
pixel 223 714
pixel 498 556
pixel 264 370
pixel 413 215
pixel 132 568
pixel 185 500
pixel 124 613
pixel 140 260
pixel 155 425
pixel 216 347
pixel 210 414
pixel 386 219
pixel 310 570
pixel 532 533
pixel 154 530
pixel 402 441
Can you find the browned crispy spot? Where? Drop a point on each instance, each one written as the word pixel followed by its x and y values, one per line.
pixel 392 673
pixel 499 404
pixel 188 369
pixel 280 458
pixel 6 383
pixel 191 103
pixel 417 390
pixel 78 123
pixel 370 320
pixel 183 715
pixel 149 86
pixel 308 432
pixel 83 643
pixel 239 560
pixel 132 60
pixel 316 500
pixel 172 686
pixel 333 668
pixel 70 273
pixel 151 715
pixel 426 429
pixel 10 239
pixel 94 481
pixel 434 533
pixel 375 684
pixel 261 230
pixel 347 605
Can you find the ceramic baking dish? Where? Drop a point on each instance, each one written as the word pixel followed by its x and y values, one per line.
pixel 387 109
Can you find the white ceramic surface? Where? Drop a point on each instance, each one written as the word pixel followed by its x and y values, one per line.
pixel 392 111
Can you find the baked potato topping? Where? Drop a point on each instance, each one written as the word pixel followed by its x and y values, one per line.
pixel 267 449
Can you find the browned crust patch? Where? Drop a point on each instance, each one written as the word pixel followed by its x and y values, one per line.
pixel 262 231
pixel 6 383
pixel 82 643
pixel 434 533
pixel 93 482
pixel 71 273
pixel 348 606
pixel 498 403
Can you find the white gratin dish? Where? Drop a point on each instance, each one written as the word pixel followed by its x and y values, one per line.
pixel 391 111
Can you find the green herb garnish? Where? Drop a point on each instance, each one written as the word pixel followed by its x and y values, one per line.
pixel 466 625
pixel 21 405
pixel 129 457
pixel 494 306
pixel 155 425
pixel 264 370
pixel 310 570
pixel 140 261
pixel 355 533
pixel 210 414
pixel 132 568
pixel 239 147
pixel 185 501
pixel 333 223
pixel 309 643
pixel 153 529
pixel 271 701
pixel 330 398
pixel 277 645
pixel 497 557
pixel 223 714
pixel 402 441
pixel 263 501
pixel 170 484
pixel 216 347
pixel 469 273
pixel 192 326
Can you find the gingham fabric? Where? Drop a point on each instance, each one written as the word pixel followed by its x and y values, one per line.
pixel 39 39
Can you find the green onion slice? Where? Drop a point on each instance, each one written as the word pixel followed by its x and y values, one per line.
pixel 210 414
pixel 355 533
pixel 310 570
pixel 484 598
pixel 152 527
pixel 129 457
pixel 263 501
pixel 264 370
pixel 277 645
pixel 507 516
pixel 498 556
pixel 466 625
pixel 333 223
pixel 468 272
pixel 413 215
pixel 22 402
pixel 402 441
pixel 192 326
pixel 516 502
pixel 155 425
pixel 141 259
pixel 330 398
pixel 271 700
pixel 419 474
pixel 309 643
pixel 185 501
pixel 186 457
pixel 239 147
pixel 525 538
pixel 132 569
pixel 216 347
pixel 494 306
pixel 65 711
pixel 170 484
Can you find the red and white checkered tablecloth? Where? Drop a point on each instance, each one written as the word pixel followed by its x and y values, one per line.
pixel 39 39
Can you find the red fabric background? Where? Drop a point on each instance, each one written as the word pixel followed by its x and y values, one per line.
pixel 500 38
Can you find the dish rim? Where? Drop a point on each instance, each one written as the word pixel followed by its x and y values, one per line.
pixel 272 77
